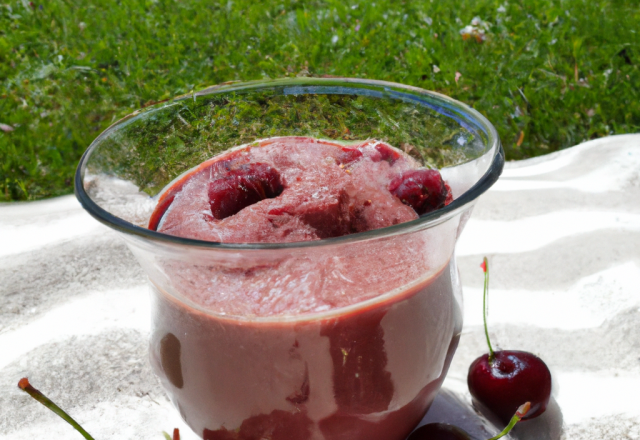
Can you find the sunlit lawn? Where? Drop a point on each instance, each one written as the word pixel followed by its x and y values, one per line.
pixel 549 74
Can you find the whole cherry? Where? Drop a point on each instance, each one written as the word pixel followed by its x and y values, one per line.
pixel 423 190
pixel 502 380
pixel 234 188
pixel 444 431
pixel 241 187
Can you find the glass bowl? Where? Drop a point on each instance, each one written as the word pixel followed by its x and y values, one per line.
pixel 365 369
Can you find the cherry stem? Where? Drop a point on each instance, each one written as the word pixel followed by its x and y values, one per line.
pixel 176 435
pixel 485 306
pixel 24 385
pixel 520 413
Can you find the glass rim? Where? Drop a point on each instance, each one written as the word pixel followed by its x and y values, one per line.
pixel 424 221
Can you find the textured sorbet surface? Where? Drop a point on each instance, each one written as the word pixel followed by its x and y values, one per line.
pixel 298 189
pixel 327 190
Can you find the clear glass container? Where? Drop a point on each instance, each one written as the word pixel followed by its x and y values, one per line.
pixel 364 371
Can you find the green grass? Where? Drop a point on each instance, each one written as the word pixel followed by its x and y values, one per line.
pixel 549 75
pixel 158 146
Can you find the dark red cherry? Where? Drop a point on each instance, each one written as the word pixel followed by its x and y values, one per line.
pixel 512 378
pixel 219 167
pixel 243 186
pixel 348 155
pixel 438 431
pixel 423 190
pixel 268 177
pixel 502 380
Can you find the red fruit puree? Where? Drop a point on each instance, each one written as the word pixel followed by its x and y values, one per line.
pixel 343 341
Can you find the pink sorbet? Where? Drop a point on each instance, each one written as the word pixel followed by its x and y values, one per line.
pixel 292 189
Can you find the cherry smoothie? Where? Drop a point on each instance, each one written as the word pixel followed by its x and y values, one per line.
pixel 342 341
